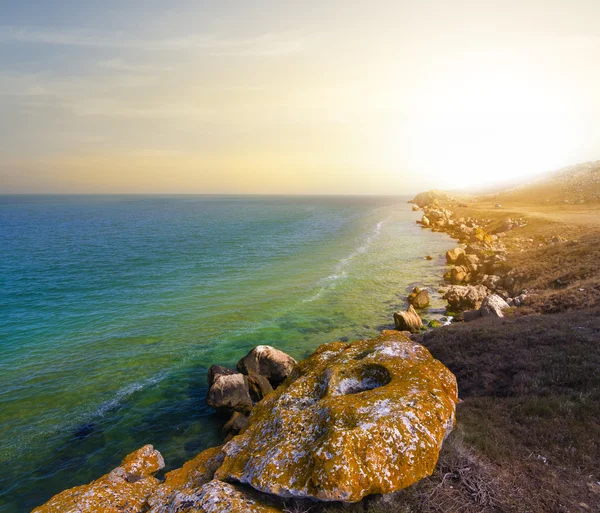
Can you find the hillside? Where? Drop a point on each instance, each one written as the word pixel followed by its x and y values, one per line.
pixel 573 185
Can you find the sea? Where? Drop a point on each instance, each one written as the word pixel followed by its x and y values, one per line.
pixel 112 309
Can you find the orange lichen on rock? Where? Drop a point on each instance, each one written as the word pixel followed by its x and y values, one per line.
pixel 194 473
pixel 352 420
pixel 124 490
pixel 220 497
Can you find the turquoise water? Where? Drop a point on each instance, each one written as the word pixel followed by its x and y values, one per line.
pixel 112 308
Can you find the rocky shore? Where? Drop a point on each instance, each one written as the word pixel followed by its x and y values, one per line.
pixel 481 280
pixel 352 420
pixel 355 422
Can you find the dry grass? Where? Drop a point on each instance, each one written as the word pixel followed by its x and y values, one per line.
pixel 528 432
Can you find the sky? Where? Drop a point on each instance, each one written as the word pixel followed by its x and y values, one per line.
pixel 294 97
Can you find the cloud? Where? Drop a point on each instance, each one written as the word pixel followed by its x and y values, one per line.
pixel 268 44
pixel 121 65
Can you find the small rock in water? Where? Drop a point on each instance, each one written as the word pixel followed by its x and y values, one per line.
pixel 408 321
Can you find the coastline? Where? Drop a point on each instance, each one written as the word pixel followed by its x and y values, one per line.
pixel 497 251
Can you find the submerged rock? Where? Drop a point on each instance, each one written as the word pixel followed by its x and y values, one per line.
pixel 352 420
pixel 419 298
pixel 124 490
pixel 408 321
pixel 273 364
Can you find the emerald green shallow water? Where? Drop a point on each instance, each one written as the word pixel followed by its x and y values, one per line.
pixel 112 308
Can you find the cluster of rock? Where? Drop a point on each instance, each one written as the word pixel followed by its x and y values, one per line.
pixel 479 268
pixel 353 419
pixel 235 392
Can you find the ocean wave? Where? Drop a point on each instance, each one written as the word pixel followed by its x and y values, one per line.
pixel 341 269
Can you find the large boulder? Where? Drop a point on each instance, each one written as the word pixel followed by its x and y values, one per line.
pixel 459 274
pixel 465 297
pixel 492 306
pixel 352 420
pixel 453 255
pixel 419 298
pixel 408 321
pixel 273 364
pixel 124 490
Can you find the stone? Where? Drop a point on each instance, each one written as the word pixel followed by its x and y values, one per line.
pixel 425 221
pixel 220 497
pixel 258 387
pixel 459 274
pixel 480 235
pixel 419 298
pixel 408 321
pixel 229 392
pixel 123 490
pixel 415 208
pixel 520 300
pixel 435 324
pixel 428 257
pixel 218 370
pixel 170 494
pixel 354 419
pixel 465 297
pixel 492 306
pixel 234 426
pixel 491 281
pixel 273 364
pixel 453 255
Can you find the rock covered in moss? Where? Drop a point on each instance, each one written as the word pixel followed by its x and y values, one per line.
pixel 273 364
pixel 171 495
pixel 220 497
pixel 408 321
pixel 352 420
pixel 124 490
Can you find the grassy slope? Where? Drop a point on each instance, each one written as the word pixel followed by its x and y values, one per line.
pixel 528 431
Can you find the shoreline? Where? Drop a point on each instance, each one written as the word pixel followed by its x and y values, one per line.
pixel 493 254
